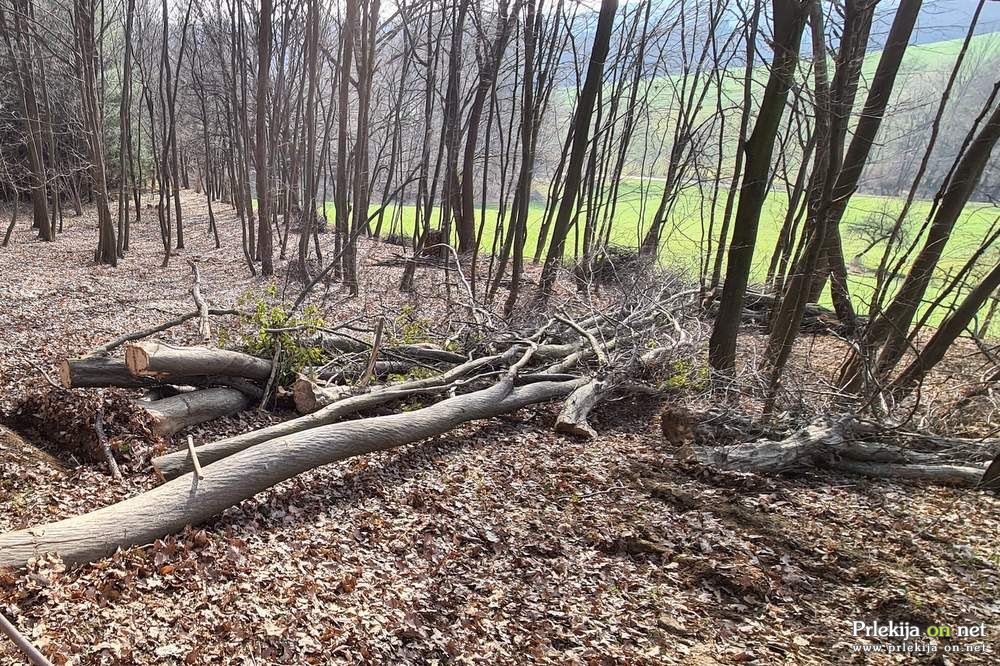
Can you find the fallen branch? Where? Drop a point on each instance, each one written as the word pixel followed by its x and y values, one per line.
pixel 174 464
pixel 111 345
pixel 204 330
pixel 102 440
pixel 22 643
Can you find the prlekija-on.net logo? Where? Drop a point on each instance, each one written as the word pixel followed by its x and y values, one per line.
pixel 907 638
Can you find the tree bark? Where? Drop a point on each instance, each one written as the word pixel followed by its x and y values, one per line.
pixel 789 22
pixel 573 417
pixel 159 359
pixel 581 138
pixel 175 413
pixel 174 464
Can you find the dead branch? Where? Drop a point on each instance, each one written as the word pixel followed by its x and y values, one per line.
pixel 204 330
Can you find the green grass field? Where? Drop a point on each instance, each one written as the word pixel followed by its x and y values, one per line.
pixel 682 244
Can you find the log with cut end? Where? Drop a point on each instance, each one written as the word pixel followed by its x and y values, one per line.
pixel 188 500
pixel 310 396
pixel 177 412
pixel 159 359
pixel 102 372
pixel 573 417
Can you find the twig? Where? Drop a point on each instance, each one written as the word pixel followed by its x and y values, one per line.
pixel 602 358
pixel 22 643
pixel 275 362
pixel 102 439
pixel 43 373
pixel 194 458
pixel 107 347
pixel 370 370
pixel 203 328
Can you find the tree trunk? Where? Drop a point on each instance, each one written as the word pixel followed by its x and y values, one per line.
pixel 789 22
pixel 581 138
pixel 174 464
pixel 159 359
pixel 261 139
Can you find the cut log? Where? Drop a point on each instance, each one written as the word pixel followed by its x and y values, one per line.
pixel 188 500
pixel 173 414
pixel 310 396
pixel 175 464
pixel 573 417
pixel 159 359
pixel 102 372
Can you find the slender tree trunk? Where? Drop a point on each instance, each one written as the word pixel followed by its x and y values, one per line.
pixel 789 22
pixel 581 133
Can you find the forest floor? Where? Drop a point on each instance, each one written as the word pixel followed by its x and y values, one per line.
pixel 499 542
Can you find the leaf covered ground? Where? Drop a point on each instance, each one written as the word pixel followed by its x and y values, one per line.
pixel 499 542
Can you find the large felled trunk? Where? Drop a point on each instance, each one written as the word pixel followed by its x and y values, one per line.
pixel 190 500
pixel 841 444
pixel 159 359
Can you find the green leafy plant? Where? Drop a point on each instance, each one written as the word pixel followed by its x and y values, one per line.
pixel 265 325
pixel 410 328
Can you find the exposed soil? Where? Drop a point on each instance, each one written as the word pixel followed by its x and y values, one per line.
pixel 500 542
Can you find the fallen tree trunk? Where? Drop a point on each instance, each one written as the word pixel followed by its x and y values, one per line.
pixel 159 359
pixel 837 444
pixel 188 500
pixel 949 475
pixel 177 463
pixel 177 412
pixel 103 372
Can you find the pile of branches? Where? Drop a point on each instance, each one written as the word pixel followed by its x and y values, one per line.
pixel 759 307
pixel 581 359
